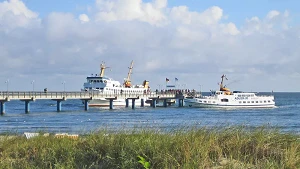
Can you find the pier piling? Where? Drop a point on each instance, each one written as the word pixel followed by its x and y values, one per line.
pixel 111 104
pixel 153 103
pixel 165 102
pixel 58 103
pixel 142 103
pixel 133 103
pixel 2 107
pixel 127 102
pixel 86 105
pixel 180 102
pixel 27 104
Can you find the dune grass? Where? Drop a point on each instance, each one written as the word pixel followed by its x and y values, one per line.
pixel 189 148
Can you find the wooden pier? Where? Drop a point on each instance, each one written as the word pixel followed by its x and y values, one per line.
pixel 29 96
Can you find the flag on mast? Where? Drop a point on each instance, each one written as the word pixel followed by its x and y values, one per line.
pixel 176 79
pixel 167 80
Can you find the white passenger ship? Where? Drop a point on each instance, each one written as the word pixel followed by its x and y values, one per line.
pixel 102 84
pixel 225 98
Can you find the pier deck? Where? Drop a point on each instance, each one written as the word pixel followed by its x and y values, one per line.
pixel 19 95
pixel 59 96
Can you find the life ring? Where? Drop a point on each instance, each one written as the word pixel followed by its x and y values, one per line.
pixel 105 81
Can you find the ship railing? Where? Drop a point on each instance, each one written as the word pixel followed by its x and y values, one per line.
pixel 265 95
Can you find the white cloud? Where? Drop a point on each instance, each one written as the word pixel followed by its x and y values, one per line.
pixel 231 29
pixel 271 24
pixel 160 4
pixel 194 46
pixel 273 14
pixel 210 16
pixel 131 10
pixel 84 18
pixel 14 14
pixel 59 26
pixel 17 7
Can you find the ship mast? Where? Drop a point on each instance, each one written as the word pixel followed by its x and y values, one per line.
pixel 223 88
pixel 127 82
pixel 221 84
pixel 102 69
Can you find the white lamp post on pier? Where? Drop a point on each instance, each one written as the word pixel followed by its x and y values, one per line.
pixel 64 83
pixel 7 81
pixel 159 87
pixel 32 82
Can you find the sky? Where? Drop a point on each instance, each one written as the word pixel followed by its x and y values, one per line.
pixel 56 44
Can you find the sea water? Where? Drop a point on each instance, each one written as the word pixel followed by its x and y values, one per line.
pixel 73 119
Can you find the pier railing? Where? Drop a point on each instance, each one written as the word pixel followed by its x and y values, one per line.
pixel 15 95
pixel 85 96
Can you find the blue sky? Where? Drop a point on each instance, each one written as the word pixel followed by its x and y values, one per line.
pixel 44 7
pixel 50 41
pixel 236 10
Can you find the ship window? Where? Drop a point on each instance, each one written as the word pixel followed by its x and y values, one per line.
pixel 200 101
pixel 101 81
pixel 97 87
pixel 240 101
pixel 214 102
pixel 252 101
pixel 269 101
pixel 224 100
pixel 244 101
pixel 260 101
pixel 256 101
pixel 204 101
pixel 248 101
pixel 265 101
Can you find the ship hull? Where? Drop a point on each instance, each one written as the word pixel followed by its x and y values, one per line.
pixel 122 102
pixel 199 105
pixel 118 102
pixel 192 103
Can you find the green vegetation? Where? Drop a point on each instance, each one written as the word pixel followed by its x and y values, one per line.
pixel 146 149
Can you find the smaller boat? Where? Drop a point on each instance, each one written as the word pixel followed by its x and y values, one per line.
pixel 225 98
